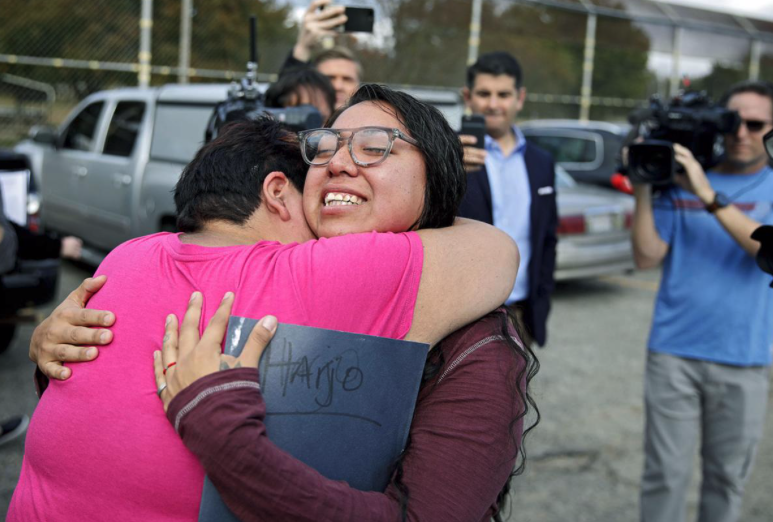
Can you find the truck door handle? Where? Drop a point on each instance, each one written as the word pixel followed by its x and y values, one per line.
pixel 122 180
pixel 81 172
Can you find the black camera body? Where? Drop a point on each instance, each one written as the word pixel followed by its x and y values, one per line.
pixel 241 106
pixel 691 120
pixel 764 235
pixel 245 101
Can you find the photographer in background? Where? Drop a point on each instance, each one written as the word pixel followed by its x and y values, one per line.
pixel 339 64
pixel 302 86
pixel 709 348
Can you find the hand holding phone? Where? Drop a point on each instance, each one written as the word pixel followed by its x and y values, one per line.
pixel 474 125
pixel 320 21
pixel 473 138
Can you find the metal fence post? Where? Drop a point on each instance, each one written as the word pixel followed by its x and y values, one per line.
pixel 474 41
pixel 146 26
pixel 587 68
pixel 185 41
pixel 673 88
pixel 754 60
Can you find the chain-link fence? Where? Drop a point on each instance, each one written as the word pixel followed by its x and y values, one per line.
pixel 55 53
pixel 594 59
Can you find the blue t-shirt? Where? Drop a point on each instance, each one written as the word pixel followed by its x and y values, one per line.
pixel 714 302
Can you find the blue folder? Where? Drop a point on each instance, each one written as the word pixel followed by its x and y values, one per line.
pixel 340 402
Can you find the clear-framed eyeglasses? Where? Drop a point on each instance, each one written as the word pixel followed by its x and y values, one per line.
pixel 368 146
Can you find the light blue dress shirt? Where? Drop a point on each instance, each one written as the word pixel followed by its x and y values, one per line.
pixel 511 203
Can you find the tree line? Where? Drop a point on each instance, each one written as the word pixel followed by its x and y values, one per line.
pixel 428 45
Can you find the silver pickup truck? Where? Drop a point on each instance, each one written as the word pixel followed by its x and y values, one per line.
pixel 108 173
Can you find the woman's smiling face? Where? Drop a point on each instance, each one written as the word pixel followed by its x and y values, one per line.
pixel 388 197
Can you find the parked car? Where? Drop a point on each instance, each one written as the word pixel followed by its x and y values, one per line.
pixel 30 282
pixel 108 173
pixel 589 151
pixel 594 229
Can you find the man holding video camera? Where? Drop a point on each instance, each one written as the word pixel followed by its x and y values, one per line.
pixel 710 344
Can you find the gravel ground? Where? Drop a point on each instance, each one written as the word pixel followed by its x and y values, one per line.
pixel 586 454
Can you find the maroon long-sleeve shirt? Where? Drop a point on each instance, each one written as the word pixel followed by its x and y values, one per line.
pixel 461 448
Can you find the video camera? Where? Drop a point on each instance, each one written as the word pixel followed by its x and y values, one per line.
pixel 691 120
pixel 245 101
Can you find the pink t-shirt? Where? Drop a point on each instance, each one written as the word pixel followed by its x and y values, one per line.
pixel 99 446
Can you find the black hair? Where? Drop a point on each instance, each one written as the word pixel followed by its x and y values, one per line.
pixel 757 87
pixel 496 64
pixel 296 79
pixel 225 179
pixel 527 365
pixel 446 180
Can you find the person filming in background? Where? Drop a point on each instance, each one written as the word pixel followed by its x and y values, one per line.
pixel 709 353
pixel 338 63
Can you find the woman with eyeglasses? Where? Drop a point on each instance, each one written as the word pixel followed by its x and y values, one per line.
pixel 388 164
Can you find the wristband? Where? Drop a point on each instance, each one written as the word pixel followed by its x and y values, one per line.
pixel 720 201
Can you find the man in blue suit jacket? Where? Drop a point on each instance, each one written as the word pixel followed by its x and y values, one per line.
pixel 511 184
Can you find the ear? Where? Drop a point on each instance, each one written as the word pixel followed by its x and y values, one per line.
pixel 521 97
pixel 276 192
pixel 466 94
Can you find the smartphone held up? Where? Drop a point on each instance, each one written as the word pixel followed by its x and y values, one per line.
pixel 358 19
pixel 474 125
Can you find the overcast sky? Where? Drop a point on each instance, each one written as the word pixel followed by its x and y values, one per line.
pixel 756 8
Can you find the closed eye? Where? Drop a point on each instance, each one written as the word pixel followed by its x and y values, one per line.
pixel 376 151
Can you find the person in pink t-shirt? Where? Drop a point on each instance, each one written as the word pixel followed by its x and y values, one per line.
pixel 99 445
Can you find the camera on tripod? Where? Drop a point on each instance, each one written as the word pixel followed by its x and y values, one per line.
pixel 245 101
pixel 691 120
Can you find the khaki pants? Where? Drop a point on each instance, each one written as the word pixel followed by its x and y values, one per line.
pixel 687 401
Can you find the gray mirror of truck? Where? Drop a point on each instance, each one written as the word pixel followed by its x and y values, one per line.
pixel 44 135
